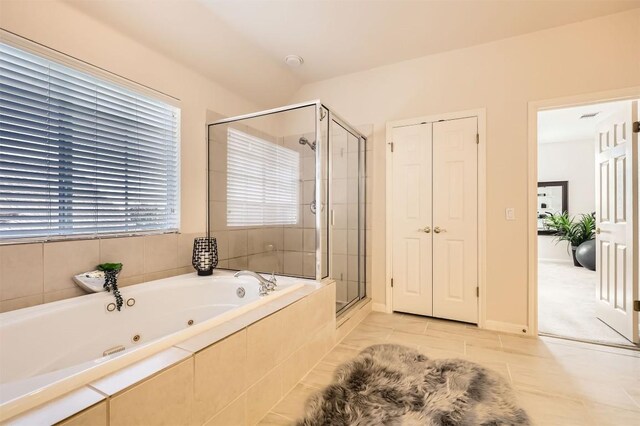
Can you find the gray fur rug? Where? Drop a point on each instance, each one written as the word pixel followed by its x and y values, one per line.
pixel 396 385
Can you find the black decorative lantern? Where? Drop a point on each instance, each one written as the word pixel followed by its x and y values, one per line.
pixel 205 255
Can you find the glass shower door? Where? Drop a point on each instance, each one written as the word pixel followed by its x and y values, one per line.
pixel 347 213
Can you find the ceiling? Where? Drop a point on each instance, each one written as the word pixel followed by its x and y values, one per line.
pixel 565 125
pixel 242 43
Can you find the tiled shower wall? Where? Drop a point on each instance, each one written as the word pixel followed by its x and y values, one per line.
pixel 288 249
pixel 291 249
pixel 345 228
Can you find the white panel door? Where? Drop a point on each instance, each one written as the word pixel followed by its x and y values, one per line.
pixel 616 218
pixel 412 291
pixel 455 219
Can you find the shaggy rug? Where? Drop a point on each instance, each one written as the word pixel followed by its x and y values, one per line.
pixel 396 385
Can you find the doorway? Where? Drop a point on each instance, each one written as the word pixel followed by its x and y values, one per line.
pixel 433 216
pixel 586 208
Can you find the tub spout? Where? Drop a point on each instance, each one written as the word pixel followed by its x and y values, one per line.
pixel 266 285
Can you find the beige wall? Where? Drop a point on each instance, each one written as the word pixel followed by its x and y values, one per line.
pixel 63 28
pixel 502 76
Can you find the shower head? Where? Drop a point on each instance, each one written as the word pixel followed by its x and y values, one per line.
pixel 305 141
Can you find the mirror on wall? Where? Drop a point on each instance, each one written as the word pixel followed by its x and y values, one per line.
pixel 553 198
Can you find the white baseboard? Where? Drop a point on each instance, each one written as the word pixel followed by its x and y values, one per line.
pixel 379 307
pixel 506 327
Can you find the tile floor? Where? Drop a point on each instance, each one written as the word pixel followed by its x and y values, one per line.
pixel 558 382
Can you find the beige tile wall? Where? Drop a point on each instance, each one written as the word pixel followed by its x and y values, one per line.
pixel 31 274
pixel 235 381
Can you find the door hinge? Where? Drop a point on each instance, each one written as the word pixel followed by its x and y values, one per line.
pixel 636 305
pixel 391 282
pixel 477 138
pixel 477 291
pixel 391 144
pixel 636 127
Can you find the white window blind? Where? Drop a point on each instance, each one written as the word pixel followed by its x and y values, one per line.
pixel 80 155
pixel 263 182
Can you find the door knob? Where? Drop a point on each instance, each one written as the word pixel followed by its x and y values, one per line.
pixel 598 231
pixel 426 229
pixel 438 230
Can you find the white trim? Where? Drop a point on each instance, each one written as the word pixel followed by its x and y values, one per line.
pixel 506 327
pixel 388 299
pixel 482 217
pixel 532 181
pixel 481 115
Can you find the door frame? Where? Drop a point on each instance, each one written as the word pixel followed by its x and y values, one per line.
pixel 534 107
pixel 480 114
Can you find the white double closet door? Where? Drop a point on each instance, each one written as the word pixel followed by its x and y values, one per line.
pixel 435 219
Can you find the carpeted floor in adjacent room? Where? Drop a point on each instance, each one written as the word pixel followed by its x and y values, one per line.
pixel 567 304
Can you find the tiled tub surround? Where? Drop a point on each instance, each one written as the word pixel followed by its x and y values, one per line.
pixel 36 273
pixel 249 353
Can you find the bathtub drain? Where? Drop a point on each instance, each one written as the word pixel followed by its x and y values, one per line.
pixel 136 338
pixel 190 322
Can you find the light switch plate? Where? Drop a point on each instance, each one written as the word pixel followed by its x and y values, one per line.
pixel 510 213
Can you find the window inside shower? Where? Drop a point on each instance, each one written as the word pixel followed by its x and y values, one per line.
pixel 286 195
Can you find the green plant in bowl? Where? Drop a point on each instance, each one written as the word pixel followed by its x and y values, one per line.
pixel 111 271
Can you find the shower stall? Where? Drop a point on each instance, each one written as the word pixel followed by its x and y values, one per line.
pixel 287 195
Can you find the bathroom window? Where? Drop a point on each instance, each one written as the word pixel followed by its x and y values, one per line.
pixel 81 155
pixel 263 182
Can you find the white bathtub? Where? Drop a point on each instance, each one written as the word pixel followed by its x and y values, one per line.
pixel 51 349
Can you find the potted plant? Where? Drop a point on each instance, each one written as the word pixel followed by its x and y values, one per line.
pixel 573 232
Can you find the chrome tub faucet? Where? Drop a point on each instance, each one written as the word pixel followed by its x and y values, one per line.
pixel 266 285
